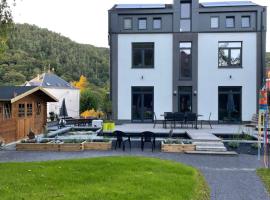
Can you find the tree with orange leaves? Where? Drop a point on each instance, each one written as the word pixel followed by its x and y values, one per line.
pixel 82 83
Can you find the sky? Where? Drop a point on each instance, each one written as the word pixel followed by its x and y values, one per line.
pixel 83 21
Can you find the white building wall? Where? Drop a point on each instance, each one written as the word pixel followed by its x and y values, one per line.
pixel 160 76
pixel 210 76
pixel 72 98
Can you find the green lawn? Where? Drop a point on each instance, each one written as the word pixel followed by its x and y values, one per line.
pixel 264 174
pixel 110 178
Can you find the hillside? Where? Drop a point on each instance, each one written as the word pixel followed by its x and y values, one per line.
pixel 31 49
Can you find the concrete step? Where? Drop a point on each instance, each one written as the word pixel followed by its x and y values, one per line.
pixel 219 144
pixel 212 152
pixel 211 148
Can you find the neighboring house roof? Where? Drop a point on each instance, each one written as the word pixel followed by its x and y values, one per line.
pixel 49 80
pixel 228 4
pixel 15 93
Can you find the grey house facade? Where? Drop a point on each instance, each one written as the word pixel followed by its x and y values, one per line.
pixel 186 57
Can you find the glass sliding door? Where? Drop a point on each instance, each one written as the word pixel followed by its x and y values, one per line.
pixel 230 104
pixel 185 99
pixel 142 104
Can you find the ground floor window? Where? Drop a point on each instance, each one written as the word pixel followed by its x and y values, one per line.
pixel 229 104
pixel 142 103
pixel 185 99
pixel 7 111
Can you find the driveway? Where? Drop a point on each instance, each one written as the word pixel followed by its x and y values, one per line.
pixel 229 177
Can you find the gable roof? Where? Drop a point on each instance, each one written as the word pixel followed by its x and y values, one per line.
pixel 15 93
pixel 49 80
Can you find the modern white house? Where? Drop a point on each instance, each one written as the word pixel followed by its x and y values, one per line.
pixel 187 57
pixel 60 89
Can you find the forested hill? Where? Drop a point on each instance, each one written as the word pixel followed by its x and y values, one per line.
pixel 31 49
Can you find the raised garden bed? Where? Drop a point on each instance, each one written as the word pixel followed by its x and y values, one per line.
pixel 72 145
pixel 98 145
pixel 176 146
pixel 49 146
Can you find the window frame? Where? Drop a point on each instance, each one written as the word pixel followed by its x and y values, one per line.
pixel 230 17
pixel 38 108
pixel 127 18
pixel 246 16
pixel 186 18
pixel 218 25
pixel 142 18
pixel 180 67
pixel 7 111
pixel 29 109
pixel 142 54
pixel 20 113
pixel 229 66
pixel 157 18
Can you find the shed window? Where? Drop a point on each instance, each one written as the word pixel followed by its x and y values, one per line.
pixel 21 111
pixel 29 109
pixel 38 108
pixel 7 111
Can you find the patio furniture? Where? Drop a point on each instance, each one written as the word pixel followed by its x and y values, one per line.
pixel 148 137
pixel 121 139
pixel 179 118
pixel 168 117
pixel 208 121
pixel 191 118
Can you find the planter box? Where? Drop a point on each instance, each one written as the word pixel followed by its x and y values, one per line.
pixel 177 148
pixel 98 146
pixel 71 146
pixel 37 147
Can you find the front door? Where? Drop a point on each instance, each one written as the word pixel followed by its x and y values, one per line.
pixel 229 104
pixel 185 99
pixel 142 104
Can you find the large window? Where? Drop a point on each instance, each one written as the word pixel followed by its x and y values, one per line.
pixel 157 23
pixel 245 21
pixel 214 22
pixel 185 60
pixel 230 22
pixel 143 55
pixel 230 54
pixel 142 23
pixel 128 23
pixel 185 15
pixel 29 109
pixel 7 111
pixel 21 110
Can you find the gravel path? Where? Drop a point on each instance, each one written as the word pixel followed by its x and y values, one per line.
pixel 229 177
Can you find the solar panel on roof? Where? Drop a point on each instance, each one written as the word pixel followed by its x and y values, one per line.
pixel 228 4
pixel 138 6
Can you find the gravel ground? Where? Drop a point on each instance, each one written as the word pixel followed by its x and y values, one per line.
pixel 229 177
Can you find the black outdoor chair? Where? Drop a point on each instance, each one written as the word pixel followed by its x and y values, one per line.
pixel 179 118
pixel 121 139
pixel 148 137
pixel 168 117
pixel 207 121
pixel 191 118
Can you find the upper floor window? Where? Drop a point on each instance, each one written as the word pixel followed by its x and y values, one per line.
pixel 185 60
pixel 127 23
pixel 230 54
pixel 245 21
pixel 21 110
pixel 157 23
pixel 142 23
pixel 143 55
pixel 185 17
pixel 230 22
pixel 214 22
pixel 29 109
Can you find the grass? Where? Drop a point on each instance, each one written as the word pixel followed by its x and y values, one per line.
pixel 110 178
pixel 264 174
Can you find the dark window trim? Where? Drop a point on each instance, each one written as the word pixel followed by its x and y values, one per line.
pixel 211 22
pixel 185 92
pixel 249 21
pixel 180 77
pixel 227 17
pixel 229 48
pixel 144 66
pixel 142 18
pixel 157 18
pixel 126 18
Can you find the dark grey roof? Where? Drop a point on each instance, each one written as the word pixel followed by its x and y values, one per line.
pixel 228 4
pixel 139 6
pixel 50 80
pixel 9 92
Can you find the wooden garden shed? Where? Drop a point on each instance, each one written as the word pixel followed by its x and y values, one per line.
pixel 22 108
